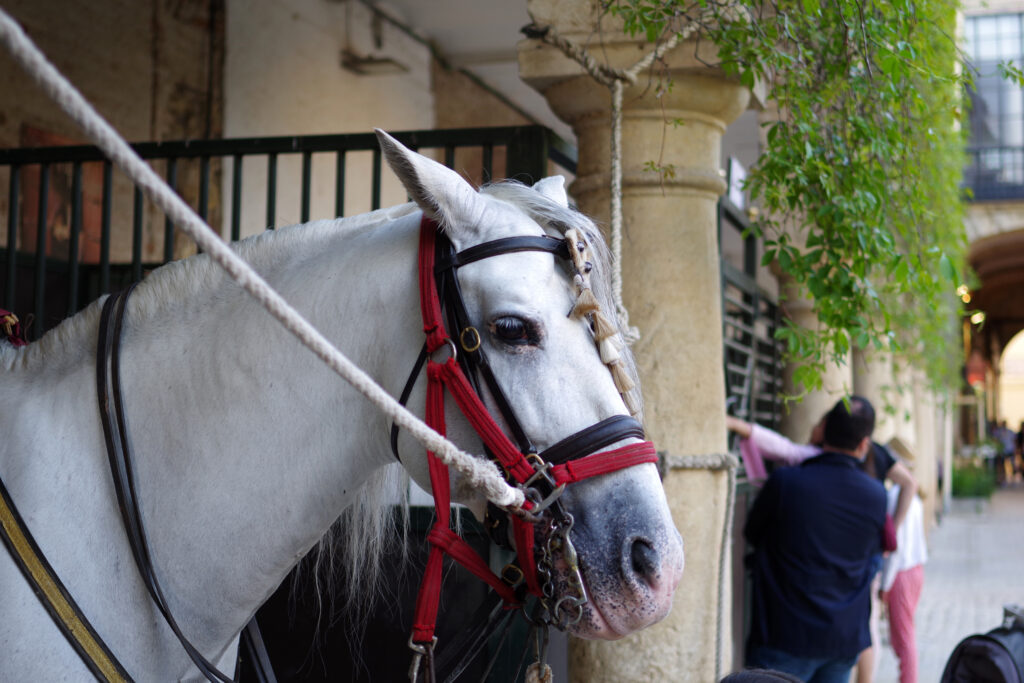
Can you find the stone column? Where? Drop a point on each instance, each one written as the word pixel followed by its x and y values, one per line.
pixel 800 418
pixel 670 266
pixel 873 379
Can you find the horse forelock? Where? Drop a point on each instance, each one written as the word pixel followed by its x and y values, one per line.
pixel 554 217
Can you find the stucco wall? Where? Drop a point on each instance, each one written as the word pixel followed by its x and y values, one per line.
pixel 284 76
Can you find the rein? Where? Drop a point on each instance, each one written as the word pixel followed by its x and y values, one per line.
pixel 115 433
pixel 542 476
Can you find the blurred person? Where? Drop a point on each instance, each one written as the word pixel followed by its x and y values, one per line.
pixel 902 579
pixel 815 529
pixel 758 443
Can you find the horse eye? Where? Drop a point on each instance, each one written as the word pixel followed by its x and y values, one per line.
pixel 512 330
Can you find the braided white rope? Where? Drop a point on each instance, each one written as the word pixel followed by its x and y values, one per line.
pixel 729 463
pixel 479 473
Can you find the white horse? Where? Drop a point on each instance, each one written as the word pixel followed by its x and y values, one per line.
pixel 247 449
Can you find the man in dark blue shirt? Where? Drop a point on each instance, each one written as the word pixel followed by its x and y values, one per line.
pixel 815 529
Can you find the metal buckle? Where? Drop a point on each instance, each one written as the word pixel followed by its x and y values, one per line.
pixel 512 574
pixel 471 347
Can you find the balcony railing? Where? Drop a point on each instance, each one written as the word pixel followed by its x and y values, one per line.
pixel 995 172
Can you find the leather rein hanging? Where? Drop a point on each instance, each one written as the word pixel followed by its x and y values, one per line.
pixel 543 476
pixel 115 433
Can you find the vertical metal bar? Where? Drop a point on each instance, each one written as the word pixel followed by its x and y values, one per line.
pixel 236 199
pixel 39 302
pixel 488 162
pixel 204 187
pixel 105 227
pixel 271 190
pixel 14 188
pixel 527 154
pixel 172 181
pixel 375 188
pixel 137 209
pixel 449 156
pixel 339 185
pixel 76 231
pixel 307 176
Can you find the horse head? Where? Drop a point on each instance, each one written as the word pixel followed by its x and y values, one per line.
pixel 542 324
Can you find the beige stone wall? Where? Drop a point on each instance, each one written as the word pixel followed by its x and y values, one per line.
pixel 153 69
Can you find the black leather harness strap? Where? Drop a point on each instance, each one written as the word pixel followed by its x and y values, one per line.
pixel 115 432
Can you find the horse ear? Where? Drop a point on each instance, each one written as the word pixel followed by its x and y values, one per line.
pixel 553 187
pixel 441 192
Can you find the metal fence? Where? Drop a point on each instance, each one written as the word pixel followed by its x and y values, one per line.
pixel 753 379
pixel 76 229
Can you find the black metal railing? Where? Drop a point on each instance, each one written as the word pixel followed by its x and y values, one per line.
pixel 753 380
pixel 61 198
pixel 995 172
pixel 750 319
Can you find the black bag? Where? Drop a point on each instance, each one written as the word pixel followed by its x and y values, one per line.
pixel 993 657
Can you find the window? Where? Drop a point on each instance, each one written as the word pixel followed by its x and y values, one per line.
pixel 997 106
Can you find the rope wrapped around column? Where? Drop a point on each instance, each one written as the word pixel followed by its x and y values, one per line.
pixel 715 462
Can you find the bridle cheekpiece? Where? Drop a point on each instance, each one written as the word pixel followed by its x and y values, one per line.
pixel 543 475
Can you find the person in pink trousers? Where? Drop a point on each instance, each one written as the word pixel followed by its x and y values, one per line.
pixel 901 584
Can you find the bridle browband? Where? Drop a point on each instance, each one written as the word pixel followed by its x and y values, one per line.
pixel 543 476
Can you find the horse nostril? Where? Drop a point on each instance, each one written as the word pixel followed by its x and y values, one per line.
pixel 644 561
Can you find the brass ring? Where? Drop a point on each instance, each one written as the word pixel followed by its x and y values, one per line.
pixel 469 348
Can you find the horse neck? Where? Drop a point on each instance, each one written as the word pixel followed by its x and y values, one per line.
pixel 229 413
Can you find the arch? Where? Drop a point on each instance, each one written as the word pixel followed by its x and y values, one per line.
pixel 1011 382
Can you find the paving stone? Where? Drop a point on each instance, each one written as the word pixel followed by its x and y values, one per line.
pixel 975 566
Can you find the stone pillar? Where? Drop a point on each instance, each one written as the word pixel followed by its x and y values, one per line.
pixel 670 266
pixel 800 418
pixel 872 379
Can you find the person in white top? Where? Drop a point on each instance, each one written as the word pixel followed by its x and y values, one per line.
pixel 901 583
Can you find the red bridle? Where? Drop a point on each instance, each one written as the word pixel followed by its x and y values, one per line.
pixel 525 470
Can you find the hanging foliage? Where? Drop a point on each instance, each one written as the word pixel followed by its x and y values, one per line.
pixel 859 181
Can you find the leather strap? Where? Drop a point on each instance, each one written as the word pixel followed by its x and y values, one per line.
pixel 593 438
pixel 115 433
pixel 53 595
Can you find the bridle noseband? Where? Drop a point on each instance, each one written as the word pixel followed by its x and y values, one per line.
pixel 543 476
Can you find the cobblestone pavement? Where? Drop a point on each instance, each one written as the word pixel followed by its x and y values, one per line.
pixel 975 566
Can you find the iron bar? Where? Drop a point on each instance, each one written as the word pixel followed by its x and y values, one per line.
pixel 307 177
pixel 375 188
pixel 39 294
pixel 339 185
pixel 108 182
pixel 236 199
pixel 74 237
pixel 172 181
pixel 13 203
pixel 137 211
pixel 488 163
pixel 204 187
pixel 271 190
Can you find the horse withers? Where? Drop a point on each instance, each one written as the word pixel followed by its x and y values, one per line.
pixel 246 450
